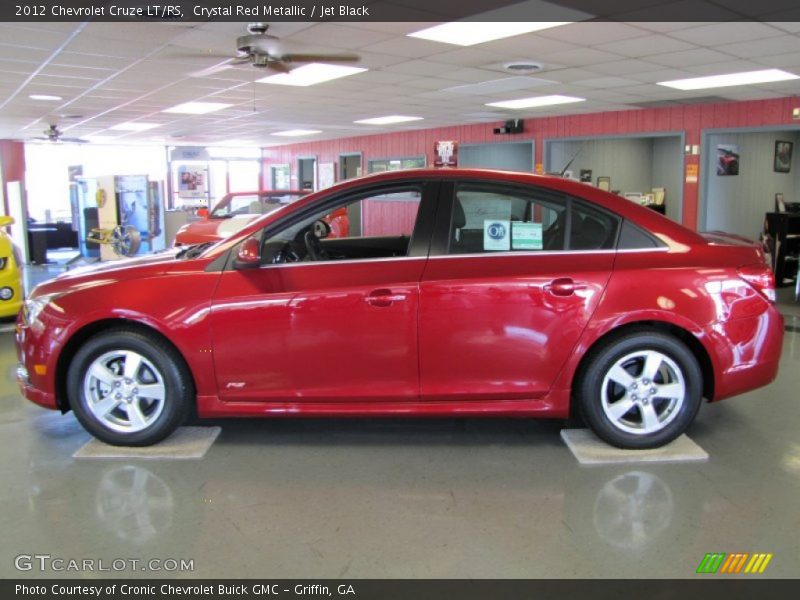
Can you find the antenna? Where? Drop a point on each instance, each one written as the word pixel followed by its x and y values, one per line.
pixel 574 156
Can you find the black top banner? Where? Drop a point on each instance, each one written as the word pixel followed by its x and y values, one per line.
pixel 397 10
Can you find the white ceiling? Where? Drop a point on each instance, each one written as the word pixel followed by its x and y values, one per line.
pixel 109 73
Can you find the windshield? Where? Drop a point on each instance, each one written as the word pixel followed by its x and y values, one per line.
pixel 253 204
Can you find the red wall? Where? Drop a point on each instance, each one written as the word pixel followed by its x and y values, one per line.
pixel 12 160
pixel 12 163
pixel 689 119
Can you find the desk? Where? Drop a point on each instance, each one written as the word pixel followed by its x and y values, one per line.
pixel 785 230
pixel 37 244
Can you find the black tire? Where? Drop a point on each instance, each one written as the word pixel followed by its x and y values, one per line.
pixel 178 392
pixel 589 390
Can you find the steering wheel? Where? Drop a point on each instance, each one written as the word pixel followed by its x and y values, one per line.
pixel 286 255
pixel 314 246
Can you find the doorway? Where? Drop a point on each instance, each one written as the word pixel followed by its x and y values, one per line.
pixel 645 168
pixel 307 173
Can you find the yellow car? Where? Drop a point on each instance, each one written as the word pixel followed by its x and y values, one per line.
pixel 10 279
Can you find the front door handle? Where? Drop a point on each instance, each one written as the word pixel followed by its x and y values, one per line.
pixel 384 297
pixel 563 286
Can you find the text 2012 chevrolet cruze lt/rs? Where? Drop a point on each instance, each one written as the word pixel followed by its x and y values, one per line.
pixel 455 292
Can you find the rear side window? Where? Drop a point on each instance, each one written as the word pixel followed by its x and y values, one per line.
pixel 633 237
pixel 591 229
pixel 488 218
pixel 491 218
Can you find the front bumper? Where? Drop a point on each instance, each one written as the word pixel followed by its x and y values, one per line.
pixel 27 358
pixel 38 396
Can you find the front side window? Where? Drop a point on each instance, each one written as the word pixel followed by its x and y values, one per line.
pixel 488 218
pixel 367 226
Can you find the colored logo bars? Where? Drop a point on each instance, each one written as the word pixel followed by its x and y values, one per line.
pixel 735 563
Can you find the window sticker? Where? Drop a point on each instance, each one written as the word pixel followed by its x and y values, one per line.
pixel 526 236
pixel 496 234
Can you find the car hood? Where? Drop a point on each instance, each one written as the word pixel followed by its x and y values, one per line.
pixel 108 272
pixel 722 238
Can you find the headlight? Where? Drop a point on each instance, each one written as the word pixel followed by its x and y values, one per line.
pixel 35 306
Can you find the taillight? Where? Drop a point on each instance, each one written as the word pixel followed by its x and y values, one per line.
pixel 760 277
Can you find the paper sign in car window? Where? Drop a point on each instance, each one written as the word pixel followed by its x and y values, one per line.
pixel 526 236
pixel 496 234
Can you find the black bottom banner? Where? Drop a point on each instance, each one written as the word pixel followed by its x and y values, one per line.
pixel 399 589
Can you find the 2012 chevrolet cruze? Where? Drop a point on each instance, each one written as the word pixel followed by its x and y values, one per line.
pixel 455 292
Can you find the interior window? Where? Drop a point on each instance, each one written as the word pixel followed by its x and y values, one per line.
pixel 378 225
pixel 487 219
pixel 396 164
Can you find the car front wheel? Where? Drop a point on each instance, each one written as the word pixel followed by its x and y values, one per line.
pixel 641 391
pixel 128 388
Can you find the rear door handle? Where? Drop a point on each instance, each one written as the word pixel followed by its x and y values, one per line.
pixel 564 286
pixel 384 297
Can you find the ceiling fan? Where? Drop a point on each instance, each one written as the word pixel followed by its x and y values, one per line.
pixel 54 134
pixel 262 50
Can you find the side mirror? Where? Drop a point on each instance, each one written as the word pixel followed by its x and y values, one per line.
pixel 202 213
pixel 248 256
pixel 6 220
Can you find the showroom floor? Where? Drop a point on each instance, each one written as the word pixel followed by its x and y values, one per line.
pixel 409 498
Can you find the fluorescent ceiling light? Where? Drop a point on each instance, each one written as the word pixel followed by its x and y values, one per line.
pixel 469 33
pixel 45 98
pixel 717 81
pixel 134 126
pixel 388 120
pixel 536 101
pixel 297 132
pixel 311 74
pixel 197 108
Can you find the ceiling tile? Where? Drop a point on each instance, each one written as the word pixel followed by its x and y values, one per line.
pixel 588 34
pixel 646 46
pixel 765 47
pixel 689 58
pixel 339 36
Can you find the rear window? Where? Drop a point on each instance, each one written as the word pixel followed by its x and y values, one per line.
pixel 633 237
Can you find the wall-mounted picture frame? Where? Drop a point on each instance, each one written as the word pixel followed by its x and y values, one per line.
pixel 783 156
pixel 727 159
pixel 604 183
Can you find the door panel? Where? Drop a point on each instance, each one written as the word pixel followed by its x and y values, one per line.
pixel 333 331
pixel 340 323
pixel 502 326
pixel 514 276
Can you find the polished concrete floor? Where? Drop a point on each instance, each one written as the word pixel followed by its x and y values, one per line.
pixel 408 498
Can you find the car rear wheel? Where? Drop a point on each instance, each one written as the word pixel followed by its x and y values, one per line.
pixel 128 388
pixel 641 391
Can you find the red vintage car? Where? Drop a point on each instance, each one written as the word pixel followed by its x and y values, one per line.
pixel 232 213
pixel 455 293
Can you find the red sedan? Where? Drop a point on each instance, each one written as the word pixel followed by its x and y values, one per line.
pixel 232 213
pixel 454 293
